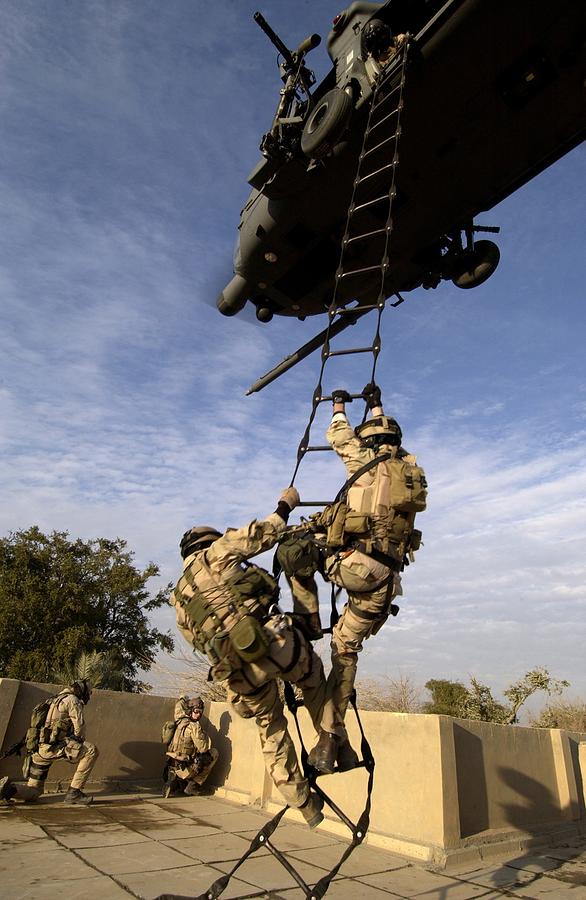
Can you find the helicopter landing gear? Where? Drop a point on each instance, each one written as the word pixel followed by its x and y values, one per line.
pixel 264 313
pixel 476 266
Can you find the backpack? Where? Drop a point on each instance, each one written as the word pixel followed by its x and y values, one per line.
pixel 35 734
pixel 298 555
pixel 168 731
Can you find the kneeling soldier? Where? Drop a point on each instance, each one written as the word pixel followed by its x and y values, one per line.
pixel 61 737
pixel 190 752
pixel 227 609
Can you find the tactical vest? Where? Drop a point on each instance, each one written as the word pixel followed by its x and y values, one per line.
pixel 181 744
pixel 225 617
pixel 376 508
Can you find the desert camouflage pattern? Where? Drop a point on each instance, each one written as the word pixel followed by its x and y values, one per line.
pixel 360 575
pixel 252 687
pixel 65 718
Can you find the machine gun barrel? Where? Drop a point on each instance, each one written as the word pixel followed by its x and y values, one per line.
pixel 275 39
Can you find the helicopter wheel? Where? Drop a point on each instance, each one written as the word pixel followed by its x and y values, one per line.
pixel 326 123
pixel 264 313
pixel 477 266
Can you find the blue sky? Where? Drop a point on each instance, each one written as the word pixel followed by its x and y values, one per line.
pixel 128 131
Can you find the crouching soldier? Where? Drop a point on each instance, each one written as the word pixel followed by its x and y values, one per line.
pixel 59 736
pixel 227 608
pixel 191 756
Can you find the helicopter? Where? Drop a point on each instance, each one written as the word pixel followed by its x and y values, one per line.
pixel 493 95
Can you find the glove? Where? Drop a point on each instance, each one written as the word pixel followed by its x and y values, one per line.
pixel 371 393
pixel 290 496
pixel 341 396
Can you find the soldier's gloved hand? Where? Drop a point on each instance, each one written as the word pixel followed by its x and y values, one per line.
pixel 290 496
pixel 341 396
pixel 372 395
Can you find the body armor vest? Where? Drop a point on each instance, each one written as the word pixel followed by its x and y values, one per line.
pixel 388 496
pixel 225 615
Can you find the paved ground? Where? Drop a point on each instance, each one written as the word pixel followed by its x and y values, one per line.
pixel 140 846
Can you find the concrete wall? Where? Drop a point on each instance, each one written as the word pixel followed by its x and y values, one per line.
pixel 444 788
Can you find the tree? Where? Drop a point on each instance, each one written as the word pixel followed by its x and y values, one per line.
pixel 61 597
pixel 102 670
pixel 569 716
pixel 447 697
pixel 477 702
pixel 389 694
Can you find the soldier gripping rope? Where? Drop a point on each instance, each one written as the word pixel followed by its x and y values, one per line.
pixel 227 609
pixel 365 538
pixel 190 754
pixel 56 732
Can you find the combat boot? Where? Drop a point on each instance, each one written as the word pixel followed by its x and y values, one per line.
pixel 347 756
pixel 192 789
pixel 312 810
pixel 74 795
pixel 7 789
pixel 323 756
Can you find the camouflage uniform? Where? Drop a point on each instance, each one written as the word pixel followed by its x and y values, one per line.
pixel 65 719
pixel 188 742
pixel 364 579
pixel 252 687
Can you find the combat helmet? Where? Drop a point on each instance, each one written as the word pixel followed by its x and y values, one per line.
pixel 376 37
pixel 379 430
pixel 82 690
pixel 198 538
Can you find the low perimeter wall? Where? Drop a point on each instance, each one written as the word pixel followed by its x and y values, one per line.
pixel 445 789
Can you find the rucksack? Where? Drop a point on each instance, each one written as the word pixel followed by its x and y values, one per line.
pixel 35 734
pixel 168 731
pixel 298 555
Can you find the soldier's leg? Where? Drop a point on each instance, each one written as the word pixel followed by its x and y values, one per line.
pixel 277 747
pixel 211 758
pixel 37 776
pixel 85 755
pixel 306 604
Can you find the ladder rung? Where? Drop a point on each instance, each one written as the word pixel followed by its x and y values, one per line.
pixel 384 119
pixel 387 96
pixel 362 237
pixel 361 271
pixel 390 165
pixel 367 204
pixel 330 398
pixel 349 351
pixel 361 308
pixel 380 144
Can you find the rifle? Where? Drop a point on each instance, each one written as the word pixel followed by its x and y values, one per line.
pixel 15 749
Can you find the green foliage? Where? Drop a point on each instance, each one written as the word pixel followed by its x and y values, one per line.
pixel 61 597
pixel 452 698
pixel 570 716
pixel 478 703
pixel 535 680
pixel 447 697
pixel 101 669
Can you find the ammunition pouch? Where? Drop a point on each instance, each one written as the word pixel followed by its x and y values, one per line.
pixel 298 555
pixel 338 520
pixel 249 639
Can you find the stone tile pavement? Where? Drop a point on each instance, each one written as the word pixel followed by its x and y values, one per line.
pixel 137 845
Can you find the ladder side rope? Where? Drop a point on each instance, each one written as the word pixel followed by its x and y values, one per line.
pixel 359 830
pixel 263 837
pixel 383 93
